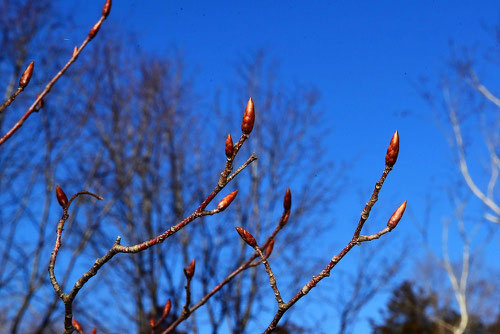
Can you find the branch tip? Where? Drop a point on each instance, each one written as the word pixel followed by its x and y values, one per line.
pixel 287 201
pixel 392 151
pixel 246 236
pixel 229 146
pixel 248 118
pixel 26 77
pixel 396 216
pixel 166 308
pixel 106 9
pixel 77 326
pixel 226 201
pixel 61 197
pixel 189 271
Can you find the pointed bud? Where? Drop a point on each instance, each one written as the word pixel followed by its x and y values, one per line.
pixel 269 248
pixel 248 118
pixel 39 105
pixel 229 146
pixel 61 197
pixel 166 308
pixel 396 216
pixel 246 236
pixel 95 29
pixel 75 51
pixel 224 203
pixel 189 271
pixel 392 150
pixel 152 322
pixel 107 8
pixel 93 331
pixel 26 77
pixel 287 201
pixel 77 325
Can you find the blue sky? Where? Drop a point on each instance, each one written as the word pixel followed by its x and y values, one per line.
pixel 362 56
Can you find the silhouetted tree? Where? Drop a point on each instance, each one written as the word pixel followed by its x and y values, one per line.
pixel 411 310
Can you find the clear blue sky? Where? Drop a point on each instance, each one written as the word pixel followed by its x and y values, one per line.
pixel 361 55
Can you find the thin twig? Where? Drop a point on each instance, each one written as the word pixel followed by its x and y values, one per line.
pixel 48 87
pixel 11 99
pixel 489 202
pixel 118 248
pixel 272 278
pixel 326 271
pixel 247 264
pixel 364 238
pixel 483 90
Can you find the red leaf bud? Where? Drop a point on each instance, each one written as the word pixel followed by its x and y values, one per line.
pixel 392 150
pixel 189 271
pixel 152 322
pixel 93 331
pixel 248 118
pixel 246 236
pixel 229 146
pixel 95 29
pixel 107 8
pixel 269 248
pixel 396 216
pixel 224 203
pixel 61 197
pixel 166 308
pixel 26 77
pixel 75 50
pixel 287 201
pixel 77 326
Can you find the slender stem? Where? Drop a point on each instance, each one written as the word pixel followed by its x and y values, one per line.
pixel 336 259
pixel 11 99
pixel 53 256
pixel 185 309
pixel 118 248
pixel 47 89
pixel 247 264
pixel 364 238
pixel 251 159
pixel 272 278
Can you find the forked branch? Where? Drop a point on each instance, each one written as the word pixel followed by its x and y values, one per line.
pixel 201 211
pixel 357 238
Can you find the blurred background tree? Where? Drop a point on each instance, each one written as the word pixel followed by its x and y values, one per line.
pixel 466 109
